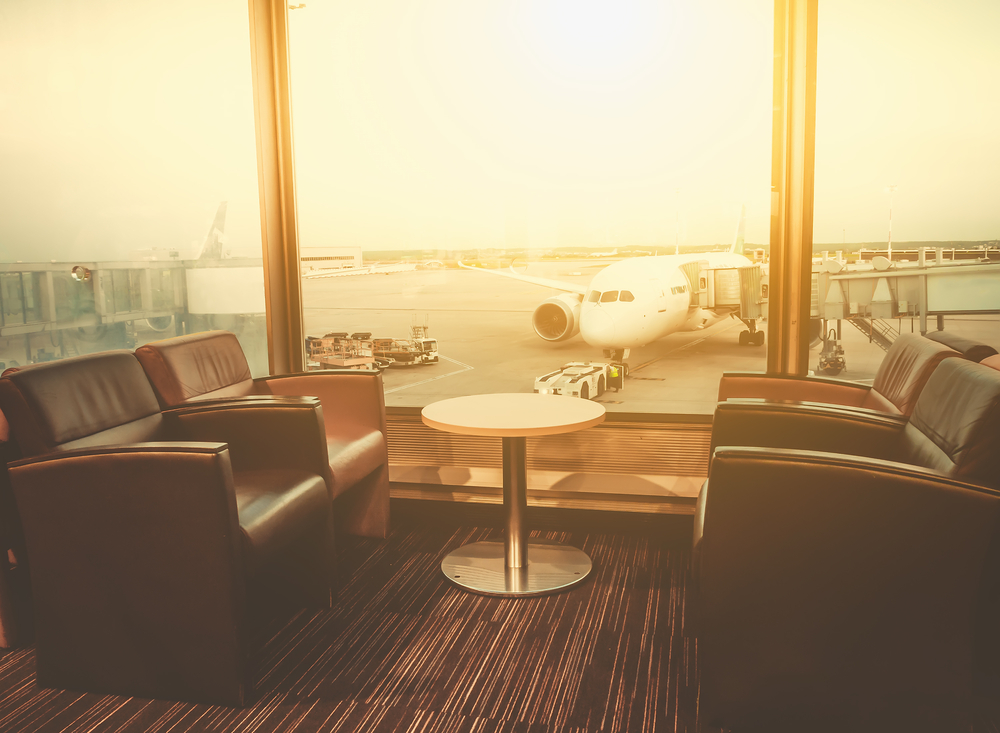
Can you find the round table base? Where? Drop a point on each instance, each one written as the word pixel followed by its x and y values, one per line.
pixel 552 567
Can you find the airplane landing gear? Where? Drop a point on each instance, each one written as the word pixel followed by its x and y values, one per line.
pixel 618 356
pixel 753 337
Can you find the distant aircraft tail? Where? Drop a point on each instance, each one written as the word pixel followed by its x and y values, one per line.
pixel 212 247
pixel 737 247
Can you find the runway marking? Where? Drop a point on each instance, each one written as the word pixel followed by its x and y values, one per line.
pixel 467 368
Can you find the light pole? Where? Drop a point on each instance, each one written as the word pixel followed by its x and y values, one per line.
pixel 891 189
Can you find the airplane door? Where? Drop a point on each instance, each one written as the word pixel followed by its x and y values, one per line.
pixel 660 295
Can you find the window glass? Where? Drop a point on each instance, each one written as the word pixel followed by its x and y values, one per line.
pixel 905 221
pixel 129 177
pixel 609 296
pixel 626 296
pixel 478 172
pixel 13 298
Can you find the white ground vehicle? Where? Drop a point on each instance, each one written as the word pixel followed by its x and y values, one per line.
pixel 580 379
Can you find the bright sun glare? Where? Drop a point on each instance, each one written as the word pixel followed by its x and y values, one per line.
pixel 592 40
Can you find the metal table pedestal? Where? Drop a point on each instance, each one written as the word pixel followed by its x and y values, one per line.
pixel 516 566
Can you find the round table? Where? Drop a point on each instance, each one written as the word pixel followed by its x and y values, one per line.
pixel 514 567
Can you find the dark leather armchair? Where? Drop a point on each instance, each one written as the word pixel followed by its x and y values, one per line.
pixel 842 594
pixel 971 350
pixel 845 568
pixel 211 365
pixel 143 537
pixel 952 428
pixel 15 622
pixel 901 376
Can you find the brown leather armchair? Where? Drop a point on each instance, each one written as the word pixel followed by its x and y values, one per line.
pixel 15 612
pixel 143 540
pixel 846 572
pixel 211 365
pixel 952 428
pixel 971 350
pixel 842 594
pixel 903 373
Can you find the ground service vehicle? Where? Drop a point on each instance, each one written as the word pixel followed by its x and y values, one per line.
pixel 418 349
pixel 581 379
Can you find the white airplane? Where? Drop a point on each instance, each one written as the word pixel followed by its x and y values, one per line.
pixel 612 253
pixel 635 301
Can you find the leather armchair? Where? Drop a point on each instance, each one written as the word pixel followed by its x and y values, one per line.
pixel 971 350
pixel 842 594
pixel 15 613
pixel 953 428
pixel 845 565
pixel 211 366
pixel 145 530
pixel 902 375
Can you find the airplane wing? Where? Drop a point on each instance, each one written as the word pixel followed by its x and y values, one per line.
pixel 555 284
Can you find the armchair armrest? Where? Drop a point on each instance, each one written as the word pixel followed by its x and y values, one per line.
pixel 265 432
pixel 353 399
pixel 814 586
pixel 790 387
pixel 147 532
pixel 808 426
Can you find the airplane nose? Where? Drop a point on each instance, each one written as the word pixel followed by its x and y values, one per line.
pixel 598 328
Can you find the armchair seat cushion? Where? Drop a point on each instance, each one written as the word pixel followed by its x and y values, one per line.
pixel 275 506
pixel 354 457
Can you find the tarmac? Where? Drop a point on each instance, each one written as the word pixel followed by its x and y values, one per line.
pixel 486 343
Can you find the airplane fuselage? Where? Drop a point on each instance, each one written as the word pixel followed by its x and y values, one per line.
pixel 635 301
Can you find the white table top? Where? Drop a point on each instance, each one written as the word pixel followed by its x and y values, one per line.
pixel 513 415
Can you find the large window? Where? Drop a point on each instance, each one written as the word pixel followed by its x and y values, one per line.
pixel 906 154
pixel 560 148
pixel 128 177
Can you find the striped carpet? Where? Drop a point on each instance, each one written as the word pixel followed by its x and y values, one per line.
pixel 403 650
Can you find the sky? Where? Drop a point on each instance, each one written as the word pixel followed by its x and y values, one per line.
pixel 448 124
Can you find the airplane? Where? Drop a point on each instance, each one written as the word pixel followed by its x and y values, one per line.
pixel 635 301
pixel 612 253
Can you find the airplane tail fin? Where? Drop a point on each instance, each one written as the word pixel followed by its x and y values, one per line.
pixel 211 249
pixel 737 247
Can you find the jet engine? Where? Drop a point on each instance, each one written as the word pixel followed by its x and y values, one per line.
pixel 558 318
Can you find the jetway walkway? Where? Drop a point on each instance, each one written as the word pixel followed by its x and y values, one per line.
pixel 870 294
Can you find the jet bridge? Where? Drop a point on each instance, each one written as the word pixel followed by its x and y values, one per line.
pixel 870 294
pixel 742 290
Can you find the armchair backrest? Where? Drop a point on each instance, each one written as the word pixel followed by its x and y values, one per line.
pixel 197 366
pixel 905 370
pixel 971 350
pixel 97 399
pixel 955 425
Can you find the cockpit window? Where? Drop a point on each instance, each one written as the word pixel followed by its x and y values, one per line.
pixel 609 296
pixel 626 297
pixel 595 295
